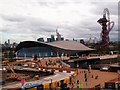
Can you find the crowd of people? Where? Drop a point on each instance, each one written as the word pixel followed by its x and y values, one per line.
pixel 77 83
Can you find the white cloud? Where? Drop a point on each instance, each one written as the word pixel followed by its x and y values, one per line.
pixel 30 19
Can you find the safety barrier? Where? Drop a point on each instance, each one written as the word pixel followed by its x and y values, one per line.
pixel 57 83
pixel 56 70
pixel 46 86
pixel 67 80
pixel 34 87
pixel 53 85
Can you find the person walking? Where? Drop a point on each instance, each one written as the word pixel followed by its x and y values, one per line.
pixel 80 85
pixel 22 82
pixel 86 81
pixel 89 68
pixel 85 77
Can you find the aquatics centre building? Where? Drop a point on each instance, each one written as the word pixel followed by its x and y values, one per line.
pixel 51 49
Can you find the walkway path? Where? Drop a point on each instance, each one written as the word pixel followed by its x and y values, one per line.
pixel 102 78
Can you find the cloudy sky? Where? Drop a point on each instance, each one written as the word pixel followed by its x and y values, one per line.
pixel 22 20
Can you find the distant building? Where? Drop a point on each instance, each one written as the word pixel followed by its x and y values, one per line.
pixel 14 45
pixel 8 42
pixel 82 41
pixel 48 39
pixel 40 39
pixel 52 38
pixel 61 39
pixel 66 39
pixel 74 40
pixel 58 36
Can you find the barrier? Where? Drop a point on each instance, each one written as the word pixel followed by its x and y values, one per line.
pixel 68 71
pixel 53 84
pixel 60 70
pixel 67 81
pixel 34 87
pixel 46 70
pixel 56 83
pixel 62 83
pixel 46 86
pixel 53 70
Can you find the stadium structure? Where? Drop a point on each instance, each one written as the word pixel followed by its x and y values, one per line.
pixel 51 49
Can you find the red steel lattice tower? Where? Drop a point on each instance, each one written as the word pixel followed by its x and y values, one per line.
pixel 107 25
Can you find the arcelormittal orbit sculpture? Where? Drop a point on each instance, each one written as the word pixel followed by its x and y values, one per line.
pixel 107 25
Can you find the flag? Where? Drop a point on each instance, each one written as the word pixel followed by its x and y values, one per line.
pixel 22 81
pixel 33 55
pixel 57 54
pixel 90 67
pixel 25 55
pixel 46 54
pixel 39 55
pixel 16 55
pixel 62 55
pixel 51 53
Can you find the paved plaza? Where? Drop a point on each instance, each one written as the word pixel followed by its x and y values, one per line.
pixel 92 82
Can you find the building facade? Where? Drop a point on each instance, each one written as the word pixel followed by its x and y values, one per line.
pixel 52 49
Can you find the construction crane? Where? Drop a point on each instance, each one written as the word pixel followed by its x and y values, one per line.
pixel 13 75
pixel 107 26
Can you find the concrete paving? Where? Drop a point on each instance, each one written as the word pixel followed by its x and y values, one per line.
pixel 103 77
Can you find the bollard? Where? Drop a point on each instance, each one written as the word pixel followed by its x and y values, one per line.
pixel 60 70
pixel 68 71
